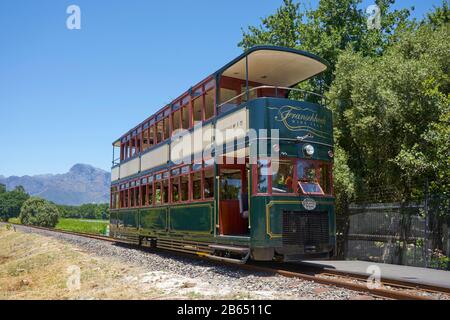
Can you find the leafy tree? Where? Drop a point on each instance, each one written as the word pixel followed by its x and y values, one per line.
pixel 439 17
pixel 86 211
pixel 39 212
pixel 336 25
pixel 2 188
pixel 11 203
pixel 370 105
pixel 391 112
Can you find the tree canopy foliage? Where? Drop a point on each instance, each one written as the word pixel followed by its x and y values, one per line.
pixel 11 202
pixel 39 212
pixel 388 89
pixel 328 30
pixel 392 112
pixel 85 211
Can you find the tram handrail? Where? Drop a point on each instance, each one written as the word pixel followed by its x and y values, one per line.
pixel 116 162
pixel 276 93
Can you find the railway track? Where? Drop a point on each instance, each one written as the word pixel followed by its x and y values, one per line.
pixel 385 288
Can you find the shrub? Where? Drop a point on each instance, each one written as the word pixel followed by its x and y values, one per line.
pixel 39 212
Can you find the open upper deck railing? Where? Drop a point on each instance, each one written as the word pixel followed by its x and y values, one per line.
pixel 280 92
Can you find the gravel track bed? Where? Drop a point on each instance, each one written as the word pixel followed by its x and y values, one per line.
pixel 210 280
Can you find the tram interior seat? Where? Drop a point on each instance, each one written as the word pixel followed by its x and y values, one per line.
pixel 243 205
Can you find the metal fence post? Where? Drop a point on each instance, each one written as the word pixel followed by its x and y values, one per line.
pixel 427 225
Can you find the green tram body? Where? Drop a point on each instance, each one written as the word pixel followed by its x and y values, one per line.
pixel 193 227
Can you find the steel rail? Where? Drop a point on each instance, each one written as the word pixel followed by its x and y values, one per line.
pixel 317 276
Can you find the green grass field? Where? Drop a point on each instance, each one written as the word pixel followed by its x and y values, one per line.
pixel 78 225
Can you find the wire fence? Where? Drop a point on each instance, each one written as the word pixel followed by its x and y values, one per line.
pixel 414 233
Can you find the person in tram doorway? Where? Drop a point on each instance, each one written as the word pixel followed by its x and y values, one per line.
pixel 288 182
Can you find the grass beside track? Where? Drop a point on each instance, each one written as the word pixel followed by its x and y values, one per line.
pixel 78 225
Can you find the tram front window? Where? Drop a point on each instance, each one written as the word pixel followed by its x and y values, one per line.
pixel 282 177
pixel 313 178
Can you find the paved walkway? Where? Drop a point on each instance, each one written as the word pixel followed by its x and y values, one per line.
pixel 389 271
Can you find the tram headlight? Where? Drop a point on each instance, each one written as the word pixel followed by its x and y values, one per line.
pixel 309 150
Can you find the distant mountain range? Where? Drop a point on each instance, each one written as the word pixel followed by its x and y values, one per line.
pixel 82 184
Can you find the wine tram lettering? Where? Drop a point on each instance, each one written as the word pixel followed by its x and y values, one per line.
pixel 279 207
pixel 298 118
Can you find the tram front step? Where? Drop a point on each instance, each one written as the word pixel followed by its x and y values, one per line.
pixel 230 248
pixel 229 260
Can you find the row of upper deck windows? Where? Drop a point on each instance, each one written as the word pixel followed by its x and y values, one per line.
pixel 185 184
pixel 188 111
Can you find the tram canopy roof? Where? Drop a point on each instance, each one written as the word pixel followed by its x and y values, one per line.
pixel 275 66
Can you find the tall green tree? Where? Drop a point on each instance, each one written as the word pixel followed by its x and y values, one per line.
pixel 440 16
pixel 11 203
pixel 328 30
pixel 388 89
pixel 391 113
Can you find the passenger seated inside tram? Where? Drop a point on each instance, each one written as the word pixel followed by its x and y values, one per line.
pixel 282 180
pixel 308 182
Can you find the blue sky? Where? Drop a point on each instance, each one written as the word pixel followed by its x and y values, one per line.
pixel 65 95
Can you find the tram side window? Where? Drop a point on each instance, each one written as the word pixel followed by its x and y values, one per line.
pixel 159 132
pixel 198 110
pixel 151 135
pixel 165 184
pixel 136 197
pixel 209 183
pixel 132 197
pixel 123 151
pixel 145 139
pixel 115 200
pixel 185 188
pixel 126 202
pixel 150 193
pixel 176 120
pixel 158 193
pixel 112 204
pixel 197 185
pixel 138 143
pixel 144 195
pixel 166 128
pixel 282 177
pixel 175 182
pixel 121 205
pixel 209 104
pixel 133 149
pixel 263 176
pixel 185 117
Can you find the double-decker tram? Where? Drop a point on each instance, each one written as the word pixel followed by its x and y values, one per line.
pixel 238 167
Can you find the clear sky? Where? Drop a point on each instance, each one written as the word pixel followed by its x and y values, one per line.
pixel 65 95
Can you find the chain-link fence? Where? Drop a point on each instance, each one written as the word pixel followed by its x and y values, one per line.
pixel 414 233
